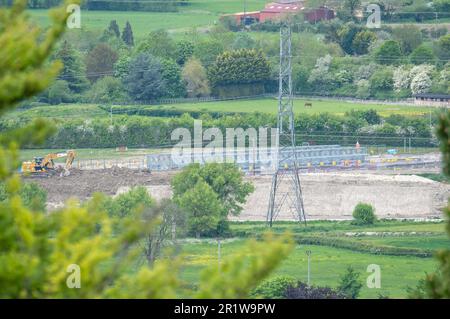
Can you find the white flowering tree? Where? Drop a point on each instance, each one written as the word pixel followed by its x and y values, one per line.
pixel 401 79
pixel 365 71
pixel 421 78
pixel 320 74
pixel 421 83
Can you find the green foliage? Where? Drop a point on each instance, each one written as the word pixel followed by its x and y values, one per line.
pixel 221 183
pixel 171 74
pixel 106 90
pixel 21 41
pixel 145 85
pixel 239 67
pixel 409 37
pixel 370 116
pixel 37 249
pixel 202 207
pixel 347 35
pixel 159 44
pixel 381 80
pixel 59 92
pixel 442 5
pixel 437 285
pixel 362 41
pixel 113 28
pixel 349 284
pixel 100 62
pixel 225 179
pixel 300 75
pixel 243 271
pixel 243 41
pixel 364 214
pixel 274 288
pixel 208 49
pixel 137 199
pixel 32 195
pixel 184 51
pixel 389 53
pixel 443 47
pixel 195 77
pixel 303 291
pixel 422 54
pixel 74 69
pixel 127 35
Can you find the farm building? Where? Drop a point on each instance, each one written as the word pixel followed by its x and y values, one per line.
pixel 428 99
pixel 319 14
pixel 274 11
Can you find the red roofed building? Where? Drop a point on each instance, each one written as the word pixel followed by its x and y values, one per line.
pixel 272 11
pixel 277 10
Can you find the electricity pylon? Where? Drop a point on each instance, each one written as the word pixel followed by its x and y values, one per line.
pixel 286 171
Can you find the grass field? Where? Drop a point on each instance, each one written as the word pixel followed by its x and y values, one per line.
pixel 89 153
pixel 200 13
pixel 265 105
pixel 269 105
pixel 329 263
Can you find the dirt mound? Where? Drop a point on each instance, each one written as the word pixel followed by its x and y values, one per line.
pixel 83 183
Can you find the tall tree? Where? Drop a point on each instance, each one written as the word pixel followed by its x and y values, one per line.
pixel 226 183
pixel 184 51
pixel 196 79
pixel 171 73
pixel 74 70
pixel 113 28
pixel 389 53
pixel 239 67
pixel 100 62
pixel 159 44
pixel 127 35
pixel 144 81
pixel 409 37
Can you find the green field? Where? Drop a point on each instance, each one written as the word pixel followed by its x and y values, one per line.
pixel 87 153
pixel 265 105
pixel 269 105
pixel 327 265
pixel 200 13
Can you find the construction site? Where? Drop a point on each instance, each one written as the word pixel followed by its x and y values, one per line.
pixel 330 192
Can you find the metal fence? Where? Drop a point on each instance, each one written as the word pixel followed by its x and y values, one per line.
pixel 261 160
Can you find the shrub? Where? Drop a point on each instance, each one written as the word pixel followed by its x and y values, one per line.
pixel 389 53
pixel 303 291
pixel 364 214
pixel 274 288
pixel 350 284
pixel 31 194
pixel 126 204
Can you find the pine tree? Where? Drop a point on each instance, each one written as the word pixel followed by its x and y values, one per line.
pixel 127 35
pixel 114 28
pixel 74 70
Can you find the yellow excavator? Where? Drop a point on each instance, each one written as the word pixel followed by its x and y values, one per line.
pixel 45 166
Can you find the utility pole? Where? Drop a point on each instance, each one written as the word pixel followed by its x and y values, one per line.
pixel 286 170
pixel 218 251
pixel 308 253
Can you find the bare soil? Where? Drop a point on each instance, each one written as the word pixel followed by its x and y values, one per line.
pixel 82 184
